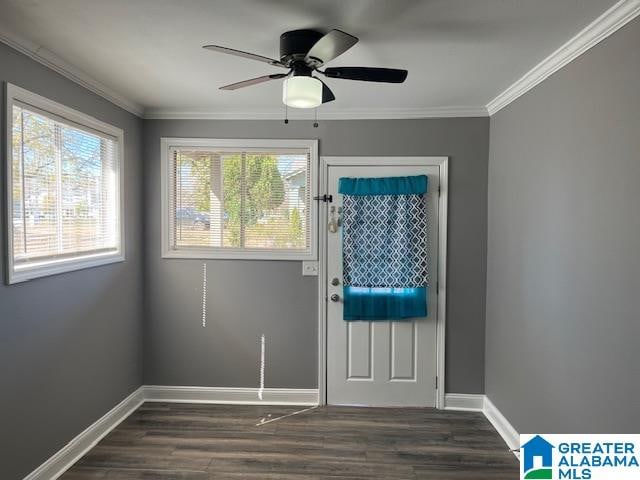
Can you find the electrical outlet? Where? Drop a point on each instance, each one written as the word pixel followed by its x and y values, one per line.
pixel 310 269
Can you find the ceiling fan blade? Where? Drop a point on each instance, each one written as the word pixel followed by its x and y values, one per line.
pixel 367 74
pixel 240 53
pixel 333 44
pixel 254 81
pixel 327 94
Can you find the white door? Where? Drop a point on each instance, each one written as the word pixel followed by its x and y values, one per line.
pixel 381 363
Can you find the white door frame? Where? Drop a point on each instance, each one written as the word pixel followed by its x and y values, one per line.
pixel 443 164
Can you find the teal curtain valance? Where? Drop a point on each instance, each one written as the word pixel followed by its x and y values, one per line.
pixel 415 185
pixel 384 247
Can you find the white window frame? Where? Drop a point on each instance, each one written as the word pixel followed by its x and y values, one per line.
pixel 169 143
pixel 55 110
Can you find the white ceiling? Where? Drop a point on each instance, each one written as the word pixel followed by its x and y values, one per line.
pixel 460 53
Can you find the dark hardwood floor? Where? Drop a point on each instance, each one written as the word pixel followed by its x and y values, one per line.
pixel 197 442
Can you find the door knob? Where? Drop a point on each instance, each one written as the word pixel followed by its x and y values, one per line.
pixel 335 297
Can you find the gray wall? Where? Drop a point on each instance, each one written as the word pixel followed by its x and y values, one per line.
pixel 69 343
pixel 248 298
pixel 563 318
pixel 561 281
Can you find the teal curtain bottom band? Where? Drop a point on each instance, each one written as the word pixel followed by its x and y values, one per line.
pixel 363 303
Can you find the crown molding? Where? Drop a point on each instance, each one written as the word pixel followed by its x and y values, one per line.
pixel 295 114
pixel 57 64
pixel 609 22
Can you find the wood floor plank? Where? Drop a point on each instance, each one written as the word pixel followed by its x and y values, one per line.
pixel 205 442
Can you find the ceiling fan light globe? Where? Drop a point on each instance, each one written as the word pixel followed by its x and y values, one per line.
pixel 302 92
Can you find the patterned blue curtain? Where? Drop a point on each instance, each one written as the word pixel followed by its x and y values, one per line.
pixel 384 247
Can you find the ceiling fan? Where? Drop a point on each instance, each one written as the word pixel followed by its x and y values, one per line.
pixel 304 52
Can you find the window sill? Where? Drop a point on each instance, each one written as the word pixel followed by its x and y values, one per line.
pixel 24 274
pixel 240 255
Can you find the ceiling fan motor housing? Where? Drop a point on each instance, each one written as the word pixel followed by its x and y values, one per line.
pixel 295 44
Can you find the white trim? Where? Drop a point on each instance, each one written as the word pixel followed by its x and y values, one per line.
pixel 50 60
pixel 323 114
pixel 67 113
pixel 167 143
pixel 57 111
pixel 55 267
pixel 239 254
pixel 62 460
pixel 502 425
pixel 443 164
pixel 609 22
pixel 441 325
pixel 66 457
pixel 466 402
pixel 234 396
pixel 481 403
pixel 322 285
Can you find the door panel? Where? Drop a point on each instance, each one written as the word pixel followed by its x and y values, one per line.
pixel 402 349
pixel 359 351
pixel 381 363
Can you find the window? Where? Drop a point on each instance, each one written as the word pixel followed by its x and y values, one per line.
pixel 63 188
pixel 245 199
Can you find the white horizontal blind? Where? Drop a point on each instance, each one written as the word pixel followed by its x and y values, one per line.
pixel 240 199
pixel 64 190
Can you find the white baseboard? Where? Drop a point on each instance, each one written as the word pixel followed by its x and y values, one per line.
pixel 482 403
pixel 237 396
pixel 87 439
pixel 502 425
pixel 466 402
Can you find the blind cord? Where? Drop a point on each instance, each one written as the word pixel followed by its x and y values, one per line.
pixel 261 390
pixel 204 295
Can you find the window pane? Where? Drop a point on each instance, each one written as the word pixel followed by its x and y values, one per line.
pixel 17 190
pixel 232 189
pixel 39 180
pixel 276 187
pixel 64 190
pixel 87 206
pixel 193 202
pixel 240 199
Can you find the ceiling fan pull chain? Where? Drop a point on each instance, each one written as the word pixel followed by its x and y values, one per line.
pixel 315 121
pixel 286 107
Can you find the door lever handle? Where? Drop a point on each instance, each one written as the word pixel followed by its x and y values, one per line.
pixel 335 297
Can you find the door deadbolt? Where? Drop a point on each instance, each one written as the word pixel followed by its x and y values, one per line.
pixel 335 281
